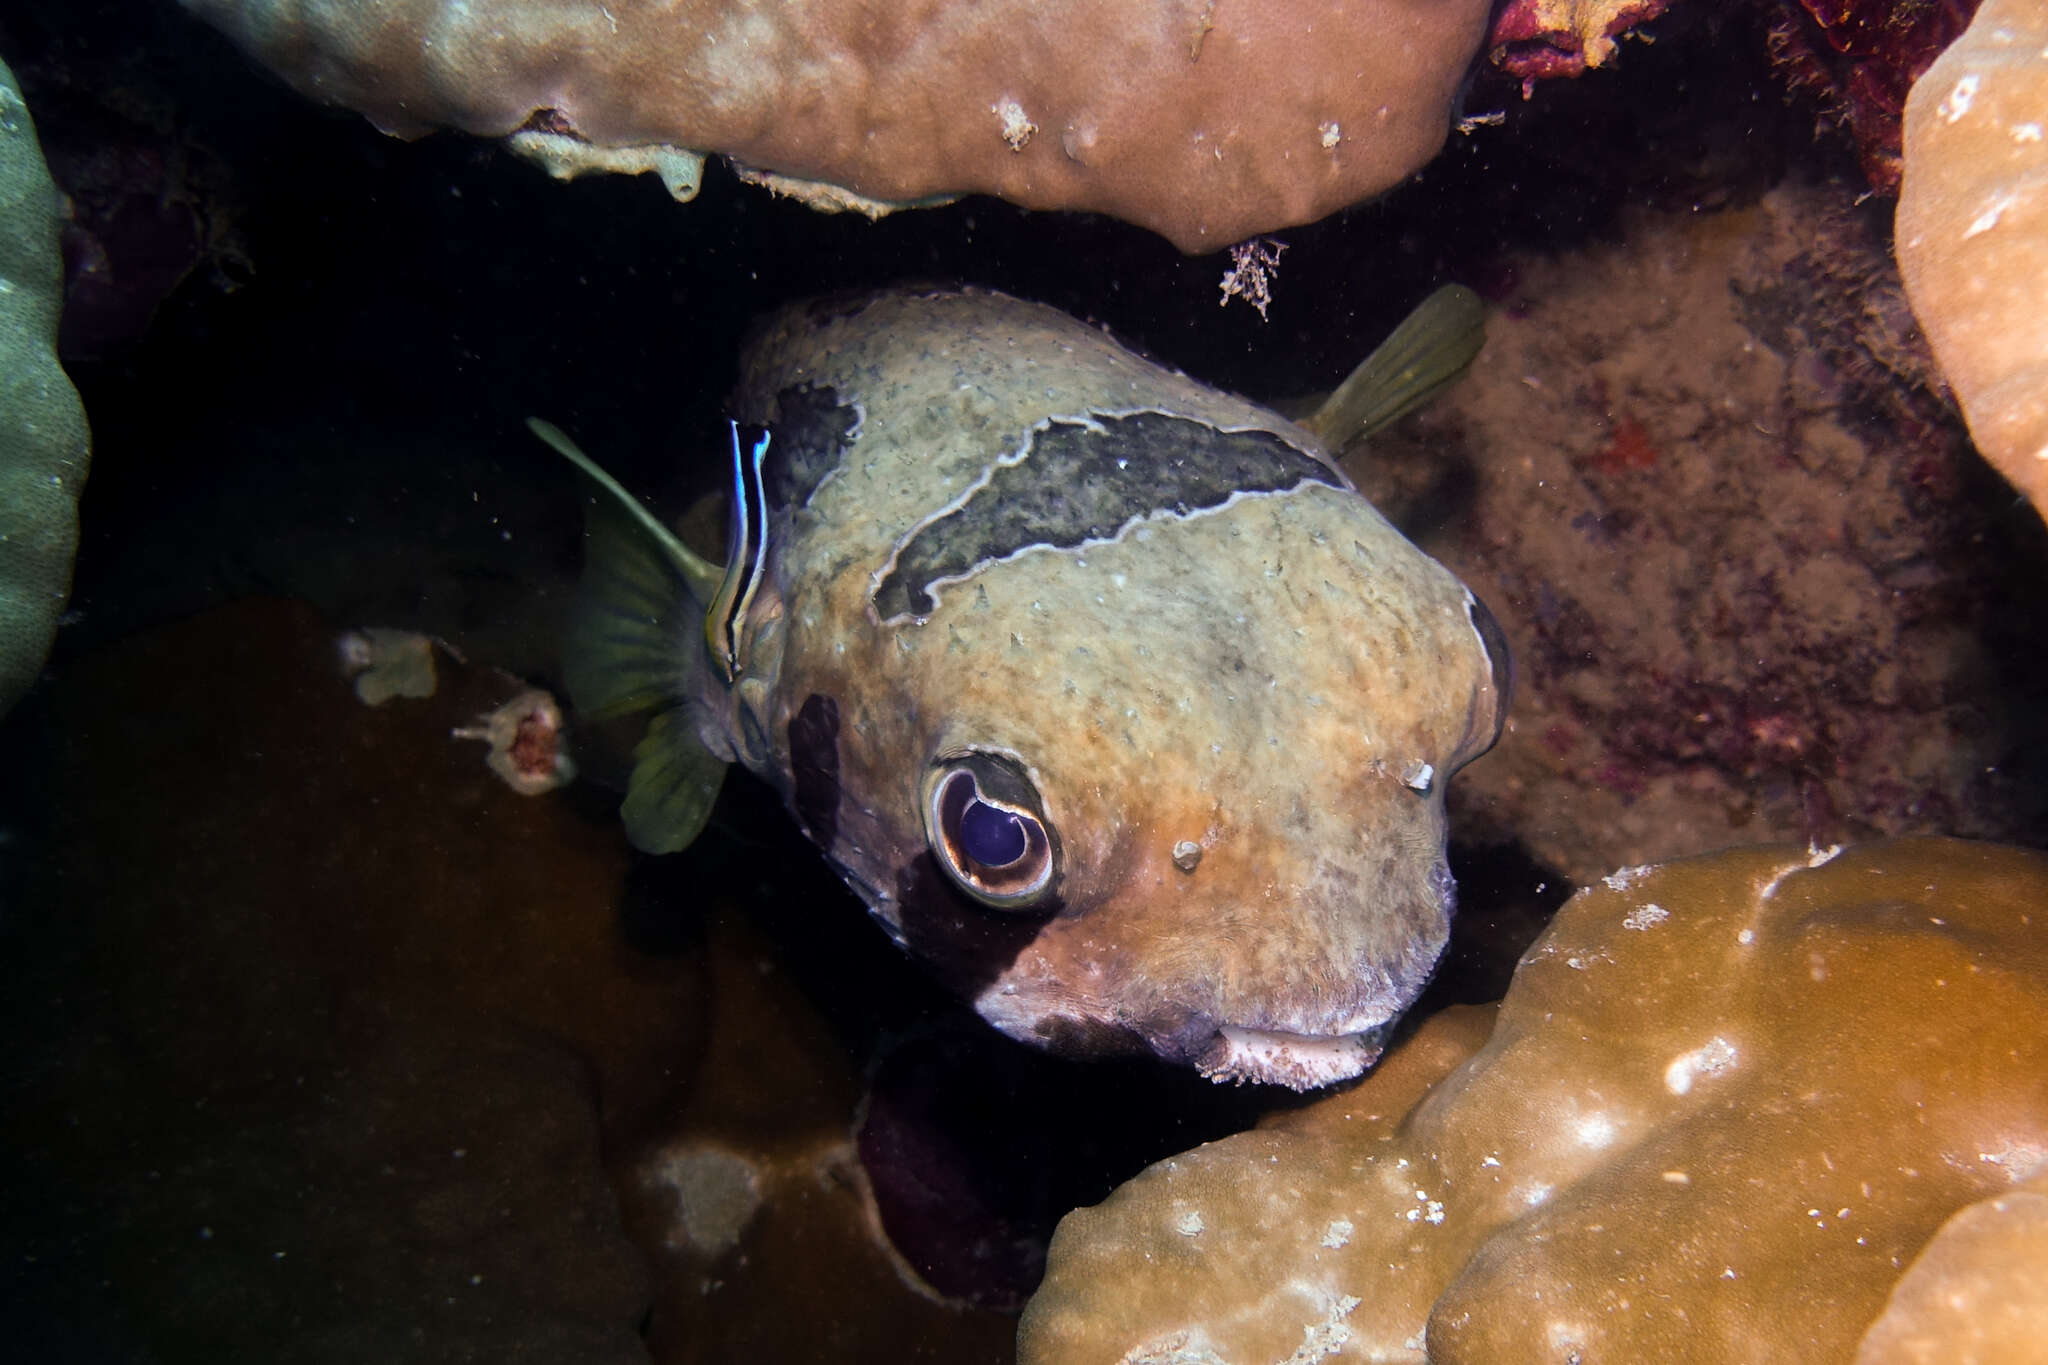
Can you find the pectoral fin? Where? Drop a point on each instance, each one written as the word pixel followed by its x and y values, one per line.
pixel 674 784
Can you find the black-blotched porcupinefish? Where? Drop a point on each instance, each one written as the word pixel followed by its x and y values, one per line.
pixel 1104 690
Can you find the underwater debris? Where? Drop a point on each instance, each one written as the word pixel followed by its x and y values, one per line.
pixel 528 749
pixel 388 663
pixel 1254 265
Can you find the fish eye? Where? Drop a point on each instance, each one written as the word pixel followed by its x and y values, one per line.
pixel 985 825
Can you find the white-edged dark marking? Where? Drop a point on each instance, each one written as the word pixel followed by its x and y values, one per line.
pixel 1081 481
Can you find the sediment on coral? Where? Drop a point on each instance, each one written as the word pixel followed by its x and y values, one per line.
pixel 1724 1104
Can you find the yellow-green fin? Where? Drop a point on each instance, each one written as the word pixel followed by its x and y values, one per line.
pixel 634 647
pixel 675 781
pixel 1424 355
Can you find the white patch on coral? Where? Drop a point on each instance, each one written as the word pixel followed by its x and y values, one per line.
pixel 1958 101
pixel 1189 1223
pixel 2019 1160
pixel 1988 219
pixel 2026 132
pixel 1331 135
pixel 1186 1347
pixel 1710 1058
pixel 1566 1340
pixel 1018 128
pixel 1645 916
pixel 1338 1234
pixel 1327 1337
pixel 716 1195
pixel 1596 1130
pixel 1622 878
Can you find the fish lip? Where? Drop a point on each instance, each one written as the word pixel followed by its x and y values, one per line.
pixel 1299 1061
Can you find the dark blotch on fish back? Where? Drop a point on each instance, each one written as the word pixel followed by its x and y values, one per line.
pixel 967 945
pixel 814 768
pixel 1083 482
pixel 813 430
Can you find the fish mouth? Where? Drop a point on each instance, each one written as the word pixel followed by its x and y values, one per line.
pixel 1299 1061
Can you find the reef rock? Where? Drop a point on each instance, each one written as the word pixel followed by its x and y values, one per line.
pixel 1861 57
pixel 1973 231
pixel 43 443
pixel 1206 122
pixel 1757 585
pixel 1727 1101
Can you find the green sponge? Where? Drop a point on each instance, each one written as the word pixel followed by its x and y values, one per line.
pixel 44 446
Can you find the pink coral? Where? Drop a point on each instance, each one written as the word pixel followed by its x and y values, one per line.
pixel 1538 39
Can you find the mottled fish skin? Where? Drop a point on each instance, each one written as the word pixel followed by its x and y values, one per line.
pixel 1217 645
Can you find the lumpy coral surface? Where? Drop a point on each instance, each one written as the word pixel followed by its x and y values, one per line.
pixel 1203 121
pixel 1725 1104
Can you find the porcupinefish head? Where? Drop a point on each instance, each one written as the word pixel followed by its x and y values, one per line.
pixel 1103 689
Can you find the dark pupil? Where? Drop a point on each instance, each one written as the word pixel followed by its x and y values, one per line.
pixel 990 836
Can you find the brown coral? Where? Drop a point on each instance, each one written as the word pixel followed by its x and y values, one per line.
pixel 1206 122
pixel 1725 1103
pixel 1973 231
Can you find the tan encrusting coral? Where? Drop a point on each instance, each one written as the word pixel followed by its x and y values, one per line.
pixel 1973 231
pixel 1208 122
pixel 1726 1103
